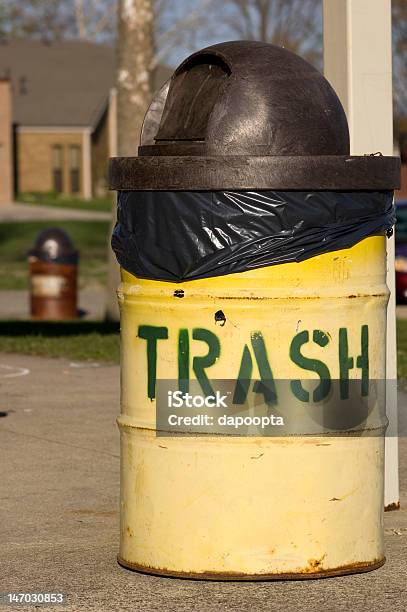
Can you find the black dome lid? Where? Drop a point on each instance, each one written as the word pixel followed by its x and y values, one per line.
pixel 54 245
pixel 251 97
pixel 248 115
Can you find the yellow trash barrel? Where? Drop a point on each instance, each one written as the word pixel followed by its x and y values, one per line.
pixel 307 503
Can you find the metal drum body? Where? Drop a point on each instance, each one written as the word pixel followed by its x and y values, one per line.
pixel 53 266
pixel 53 290
pixel 225 507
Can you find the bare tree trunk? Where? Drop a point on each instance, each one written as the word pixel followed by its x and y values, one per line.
pixel 135 51
pixel 399 12
pixel 80 20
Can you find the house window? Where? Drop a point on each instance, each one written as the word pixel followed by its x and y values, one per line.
pixel 75 168
pixel 57 168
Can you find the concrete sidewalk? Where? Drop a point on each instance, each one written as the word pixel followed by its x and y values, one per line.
pixel 59 492
pixel 17 211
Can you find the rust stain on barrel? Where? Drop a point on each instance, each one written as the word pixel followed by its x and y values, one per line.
pixel 312 571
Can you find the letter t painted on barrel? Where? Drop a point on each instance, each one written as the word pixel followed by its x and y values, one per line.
pixel 152 334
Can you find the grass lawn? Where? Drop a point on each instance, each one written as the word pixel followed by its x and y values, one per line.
pixel 82 341
pixel 61 201
pixel 90 237
pixel 402 348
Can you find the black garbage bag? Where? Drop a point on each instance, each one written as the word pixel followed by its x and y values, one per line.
pixel 176 236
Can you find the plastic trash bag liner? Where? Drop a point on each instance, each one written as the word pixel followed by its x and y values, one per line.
pixel 176 236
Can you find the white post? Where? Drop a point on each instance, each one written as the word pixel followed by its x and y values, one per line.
pixel 112 122
pixel 357 63
pixel 113 269
pixel 87 163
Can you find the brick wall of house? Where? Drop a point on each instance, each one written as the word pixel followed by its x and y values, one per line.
pixel 35 160
pixel 6 160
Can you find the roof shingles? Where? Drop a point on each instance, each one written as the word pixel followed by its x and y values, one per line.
pixel 61 83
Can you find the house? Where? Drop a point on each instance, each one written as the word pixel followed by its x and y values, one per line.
pixel 6 179
pixel 63 114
